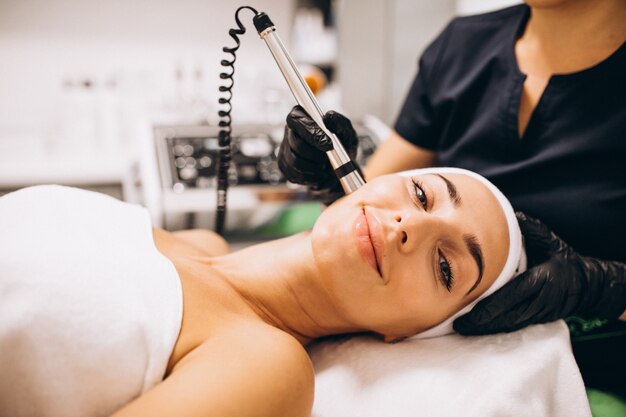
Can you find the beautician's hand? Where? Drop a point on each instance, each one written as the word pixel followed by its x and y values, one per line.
pixel 559 283
pixel 302 154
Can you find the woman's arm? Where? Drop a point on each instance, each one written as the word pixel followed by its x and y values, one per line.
pixel 397 154
pixel 270 375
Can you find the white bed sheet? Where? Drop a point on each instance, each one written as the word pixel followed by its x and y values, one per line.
pixel 531 372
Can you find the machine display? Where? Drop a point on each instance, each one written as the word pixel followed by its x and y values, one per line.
pixel 180 188
pixel 188 155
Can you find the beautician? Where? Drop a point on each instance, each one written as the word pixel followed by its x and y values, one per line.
pixel 533 97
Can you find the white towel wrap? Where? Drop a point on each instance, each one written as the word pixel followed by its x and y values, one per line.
pixel 89 309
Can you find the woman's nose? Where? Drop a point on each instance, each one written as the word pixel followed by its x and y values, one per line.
pixel 412 229
pixel 403 236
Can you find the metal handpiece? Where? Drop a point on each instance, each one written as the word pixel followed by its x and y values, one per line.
pixel 345 169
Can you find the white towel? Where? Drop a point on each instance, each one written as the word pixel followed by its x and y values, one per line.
pixel 530 372
pixel 89 309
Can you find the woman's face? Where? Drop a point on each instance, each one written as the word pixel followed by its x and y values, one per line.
pixel 402 254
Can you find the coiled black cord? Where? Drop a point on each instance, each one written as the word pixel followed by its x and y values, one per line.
pixel 224 135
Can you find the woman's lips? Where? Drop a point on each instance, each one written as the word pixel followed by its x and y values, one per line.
pixel 376 236
pixel 366 242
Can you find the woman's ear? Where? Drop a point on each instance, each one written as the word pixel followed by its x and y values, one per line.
pixel 393 338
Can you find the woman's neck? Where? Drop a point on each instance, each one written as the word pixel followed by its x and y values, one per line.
pixel 576 33
pixel 577 23
pixel 279 281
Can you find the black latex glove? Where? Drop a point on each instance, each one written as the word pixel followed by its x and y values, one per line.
pixel 559 283
pixel 302 154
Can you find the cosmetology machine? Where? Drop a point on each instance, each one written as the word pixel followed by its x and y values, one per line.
pixel 196 161
pixel 185 178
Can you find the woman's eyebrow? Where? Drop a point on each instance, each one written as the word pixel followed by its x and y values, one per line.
pixel 452 191
pixel 473 246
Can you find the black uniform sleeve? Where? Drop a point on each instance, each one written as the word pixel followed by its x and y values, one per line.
pixel 417 121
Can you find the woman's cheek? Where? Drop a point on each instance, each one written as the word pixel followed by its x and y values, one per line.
pixel 407 293
pixel 418 294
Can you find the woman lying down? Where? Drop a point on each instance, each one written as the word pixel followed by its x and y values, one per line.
pixel 102 314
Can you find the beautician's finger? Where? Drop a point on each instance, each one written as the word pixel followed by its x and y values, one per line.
pixel 342 127
pixel 300 149
pixel 539 240
pixel 297 169
pixel 512 307
pixel 306 129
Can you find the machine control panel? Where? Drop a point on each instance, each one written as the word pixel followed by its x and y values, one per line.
pixel 187 155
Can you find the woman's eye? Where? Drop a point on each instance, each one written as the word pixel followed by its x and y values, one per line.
pixel 445 272
pixel 420 194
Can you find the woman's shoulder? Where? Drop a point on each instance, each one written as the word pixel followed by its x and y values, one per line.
pixel 469 42
pixel 495 26
pixel 206 240
pixel 194 241
pixel 253 340
pixel 262 370
pixel 495 16
pixel 488 24
pixel 248 370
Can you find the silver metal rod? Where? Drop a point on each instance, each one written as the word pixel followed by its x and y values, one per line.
pixel 305 98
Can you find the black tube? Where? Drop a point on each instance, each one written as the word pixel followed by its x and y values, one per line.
pixel 261 22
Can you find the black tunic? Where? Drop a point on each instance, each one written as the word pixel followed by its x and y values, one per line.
pixel 568 169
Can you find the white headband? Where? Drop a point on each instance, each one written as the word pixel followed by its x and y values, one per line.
pixel 516 259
